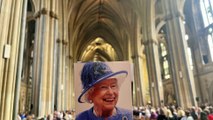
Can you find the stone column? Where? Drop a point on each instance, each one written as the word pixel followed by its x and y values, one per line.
pixel 138 80
pixel 43 68
pixel 54 15
pixel 151 51
pixel 69 83
pixel 58 97
pixel 5 22
pixel 136 48
pixel 155 80
pixel 20 60
pixel 62 93
pixel 51 56
pixel 64 78
pixel 11 14
pixel 61 83
pixel 182 75
pixel 59 75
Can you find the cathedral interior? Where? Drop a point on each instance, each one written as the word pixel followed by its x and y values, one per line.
pixel 169 43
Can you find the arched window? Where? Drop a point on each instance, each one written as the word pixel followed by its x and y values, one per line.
pixel 164 61
pixel 207 14
pixel 207 11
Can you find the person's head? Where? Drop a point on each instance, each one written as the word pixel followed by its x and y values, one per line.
pixel 104 95
pixel 169 113
pixel 100 85
pixel 187 113
pixel 181 113
pixel 161 111
pixel 211 110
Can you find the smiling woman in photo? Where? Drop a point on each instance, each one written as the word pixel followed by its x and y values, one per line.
pixel 101 89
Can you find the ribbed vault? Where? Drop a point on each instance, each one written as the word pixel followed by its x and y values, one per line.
pixel 108 19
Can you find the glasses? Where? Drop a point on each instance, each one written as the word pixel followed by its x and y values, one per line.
pixel 107 87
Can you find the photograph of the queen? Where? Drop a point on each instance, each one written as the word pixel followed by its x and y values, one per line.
pixel 103 91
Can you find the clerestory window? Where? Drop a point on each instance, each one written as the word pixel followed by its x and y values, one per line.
pixel 207 14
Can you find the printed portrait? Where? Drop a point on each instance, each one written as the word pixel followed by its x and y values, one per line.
pixel 103 90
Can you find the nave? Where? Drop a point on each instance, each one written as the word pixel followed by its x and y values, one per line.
pixel 168 42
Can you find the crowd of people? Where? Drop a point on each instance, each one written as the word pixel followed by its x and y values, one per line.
pixel 57 115
pixel 101 90
pixel 204 112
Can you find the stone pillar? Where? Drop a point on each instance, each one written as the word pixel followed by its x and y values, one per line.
pixel 136 48
pixel 72 81
pixel 182 75
pixel 54 16
pixel 69 83
pixel 139 81
pixel 61 83
pixel 62 80
pixel 5 22
pixel 11 14
pixel 151 51
pixel 43 68
pixel 20 60
pixel 64 77
pixel 52 53
pixel 155 80
pixel 59 75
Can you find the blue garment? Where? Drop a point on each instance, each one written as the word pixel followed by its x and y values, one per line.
pixel 121 114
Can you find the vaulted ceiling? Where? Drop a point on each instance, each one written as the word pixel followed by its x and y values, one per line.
pixel 111 20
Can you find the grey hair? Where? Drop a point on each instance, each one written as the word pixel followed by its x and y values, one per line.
pixel 87 95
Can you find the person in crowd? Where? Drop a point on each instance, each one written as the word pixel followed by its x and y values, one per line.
pixel 188 115
pixel 154 115
pixel 174 112
pixel 199 110
pixel 101 88
pixel 181 114
pixel 204 115
pixel 23 116
pixel 210 116
pixel 18 117
pixel 147 113
pixel 169 115
pixel 194 113
pixel 162 115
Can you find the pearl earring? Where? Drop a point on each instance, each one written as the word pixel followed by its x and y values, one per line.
pixel 90 101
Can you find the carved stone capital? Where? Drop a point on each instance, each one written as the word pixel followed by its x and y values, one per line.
pixel 65 42
pixel 136 56
pixel 150 41
pixel 37 15
pixel 53 15
pixel 59 41
pixel 70 57
pixel 174 15
pixel 44 11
